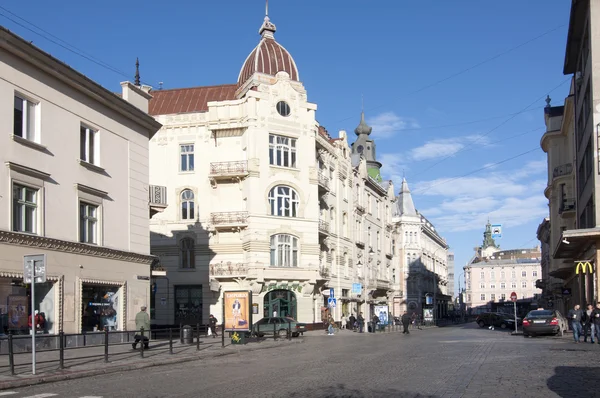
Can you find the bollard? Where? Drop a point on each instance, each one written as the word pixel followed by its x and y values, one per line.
pixel 170 341
pixel 106 344
pixel 197 337
pixel 274 331
pixel 289 330
pixel 11 354
pixel 222 334
pixel 142 336
pixel 61 348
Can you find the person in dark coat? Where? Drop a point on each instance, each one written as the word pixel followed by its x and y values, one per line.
pixel 212 323
pixel 405 322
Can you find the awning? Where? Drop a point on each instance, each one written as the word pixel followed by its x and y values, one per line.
pixel 575 241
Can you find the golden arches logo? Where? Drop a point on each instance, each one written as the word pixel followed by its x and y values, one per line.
pixel 584 266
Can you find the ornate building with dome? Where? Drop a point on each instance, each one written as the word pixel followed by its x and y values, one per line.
pixel 262 198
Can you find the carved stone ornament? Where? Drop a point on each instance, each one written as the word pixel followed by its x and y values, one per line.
pixel 40 242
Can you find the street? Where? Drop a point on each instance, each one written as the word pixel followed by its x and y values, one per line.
pixel 455 361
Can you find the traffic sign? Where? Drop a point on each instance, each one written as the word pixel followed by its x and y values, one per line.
pixel 497 231
pixel 513 297
pixel 331 302
pixel 34 265
pixel 331 292
pixel 356 288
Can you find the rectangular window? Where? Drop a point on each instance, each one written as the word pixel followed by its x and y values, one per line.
pixel 88 223
pixel 88 145
pixel 535 274
pixel 492 275
pixel 513 274
pixel 493 297
pixel 25 209
pixel 482 286
pixel 492 286
pixel 482 275
pixel 503 286
pixel 523 284
pixel 524 274
pixel 503 296
pixel 186 153
pixel 513 285
pixel 282 151
pixel 25 115
pixel 188 304
pixel 482 297
pixel 502 275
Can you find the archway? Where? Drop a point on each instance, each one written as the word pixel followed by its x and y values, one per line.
pixel 281 302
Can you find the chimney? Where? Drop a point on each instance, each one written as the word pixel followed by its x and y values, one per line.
pixel 136 96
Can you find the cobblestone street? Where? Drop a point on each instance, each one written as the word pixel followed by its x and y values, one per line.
pixel 457 361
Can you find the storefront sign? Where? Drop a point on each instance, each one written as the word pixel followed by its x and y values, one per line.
pixel 236 311
pixel 282 286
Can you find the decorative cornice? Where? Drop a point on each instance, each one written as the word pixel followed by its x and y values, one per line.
pixel 91 191
pixel 27 170
pixel 41 242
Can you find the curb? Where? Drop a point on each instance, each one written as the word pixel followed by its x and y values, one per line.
pixel 79 374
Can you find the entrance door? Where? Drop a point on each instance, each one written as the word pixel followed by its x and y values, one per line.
pixel 282 302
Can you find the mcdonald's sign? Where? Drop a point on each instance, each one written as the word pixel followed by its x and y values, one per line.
pixel 584 267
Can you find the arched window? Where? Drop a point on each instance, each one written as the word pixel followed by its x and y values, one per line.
pixel 186 253
pixel 284 251
pixel 187 205
pixel 283 201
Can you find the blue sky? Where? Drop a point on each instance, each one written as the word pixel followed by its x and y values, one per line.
pixel 431 122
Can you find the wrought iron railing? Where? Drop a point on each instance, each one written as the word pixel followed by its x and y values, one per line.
pixel 157 195
pixel 229 168
pixel 323 226
pixel 229 217
pixel 323 180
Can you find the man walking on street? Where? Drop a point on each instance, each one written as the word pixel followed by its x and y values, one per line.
pixel 405 322
pixel 588 325
pixel 361 322
pixel 142 325
pixel 575 316
pixel 212 323
pixel 596 321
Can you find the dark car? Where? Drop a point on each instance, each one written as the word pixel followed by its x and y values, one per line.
pixel 277 325
pixel 497 319
pixel 300 326
pixel 544 322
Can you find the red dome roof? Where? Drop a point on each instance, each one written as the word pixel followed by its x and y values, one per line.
pixel 269 57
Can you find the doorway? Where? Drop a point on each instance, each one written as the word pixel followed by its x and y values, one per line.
pixel 280 302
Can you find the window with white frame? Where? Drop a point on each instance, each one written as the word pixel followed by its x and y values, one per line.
pixel 88 145
pixel 503 285
pixel 503 296
pixel 513 274
pixel 482 297
pixel 25 119
pixel 187 253
pixel 524 274
pixel 493 297
pixel 535 274
pixel 513 285
pixel 492 286
pixel 25 209
pixel 523 284
pixel 282 151
pixel 482 275
pixel 502 275
pixel 482 286
pixel 492 275
pixel 186 155
pixel 284 251
pixel 88 223
pixel 187 205
pixel 284 201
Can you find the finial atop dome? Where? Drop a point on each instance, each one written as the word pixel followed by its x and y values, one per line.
pixel 268 28
pixel 137 72
pixel 363 127
pixel 548 100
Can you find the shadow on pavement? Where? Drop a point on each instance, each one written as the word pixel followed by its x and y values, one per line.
pixel 570 381
pixel 341 390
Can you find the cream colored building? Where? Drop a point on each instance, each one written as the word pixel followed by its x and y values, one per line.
pixel 74 188
pixel 423 257
pixel 492 275
pixel 571 141
pixel 264 200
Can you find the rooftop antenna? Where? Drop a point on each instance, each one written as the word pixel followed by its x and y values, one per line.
pixel 267 9
pixel 137 72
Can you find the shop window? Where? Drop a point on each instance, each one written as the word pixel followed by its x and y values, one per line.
pixel 186 253
pixel 188 304
pixel 101 307
pixel 15 297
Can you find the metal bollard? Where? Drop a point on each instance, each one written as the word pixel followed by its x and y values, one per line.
pixel 197 337
pixel 61 352
pixel 106 344
pixel 289 330
pixel 274 331
pixel 170 340
pixel 223 334
pixel 11 354
pixel 142 348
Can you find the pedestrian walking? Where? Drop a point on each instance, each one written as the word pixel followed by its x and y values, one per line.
pixel 331 325
pixel 212 323
pixel 352 321
pixel 142 324
pixel 361 323
pixel 596 321
pixel 406 319
pixel 575 316
pixel 588 325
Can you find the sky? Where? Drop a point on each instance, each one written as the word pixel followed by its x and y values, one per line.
pixel 454 91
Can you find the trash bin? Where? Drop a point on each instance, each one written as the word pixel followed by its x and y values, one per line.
pixel 187 335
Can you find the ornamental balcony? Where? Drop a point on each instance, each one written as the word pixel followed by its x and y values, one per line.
pixel 231 220
pixel 228 269
pixel 323 182
pixel 360 209
pixel 567 207
pixel 157 199
pixel 562 170
pixel 228 171
pixel 324 227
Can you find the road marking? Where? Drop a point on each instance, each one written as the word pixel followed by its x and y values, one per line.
pixel 5 393
pixel 41 396
pixel 90 396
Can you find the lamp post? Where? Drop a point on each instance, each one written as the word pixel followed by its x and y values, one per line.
pixel 434 280
pixel 364 287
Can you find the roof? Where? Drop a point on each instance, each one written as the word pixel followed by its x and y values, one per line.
pixel 188 100
pixel 268 57
pixel 404 203
pixel 579 10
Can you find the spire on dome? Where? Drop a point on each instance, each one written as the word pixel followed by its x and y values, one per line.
pixel 404 202
pixel 268 28
pixel 137 72
pixel 363 127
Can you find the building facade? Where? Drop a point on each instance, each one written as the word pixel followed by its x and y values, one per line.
pixel 266 200
pixel 573 171
pixel 423 257
pixel 75 189
pixel 492 275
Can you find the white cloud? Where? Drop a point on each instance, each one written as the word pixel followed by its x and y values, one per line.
pixel 444 147
pixel 387 124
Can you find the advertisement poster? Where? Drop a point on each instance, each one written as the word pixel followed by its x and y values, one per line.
pixel 18 308
pixel 382 312
pixel 255 308
pixel 428 314
pixel 236 311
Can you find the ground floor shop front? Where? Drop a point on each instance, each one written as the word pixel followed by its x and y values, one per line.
pixel 101 289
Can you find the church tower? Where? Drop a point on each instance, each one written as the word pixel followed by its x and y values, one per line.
pixel 365 147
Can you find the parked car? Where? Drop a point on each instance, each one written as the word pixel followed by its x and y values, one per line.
pixel 497 319
pixel 278 325
pixel 544 322
pixel 300 327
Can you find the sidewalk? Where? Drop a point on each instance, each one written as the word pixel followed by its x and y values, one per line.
pixel 89 361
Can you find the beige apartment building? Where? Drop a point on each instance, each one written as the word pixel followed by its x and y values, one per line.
pixel 266 200
pixel 571 141
pixel 74 188
pixel 492 275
